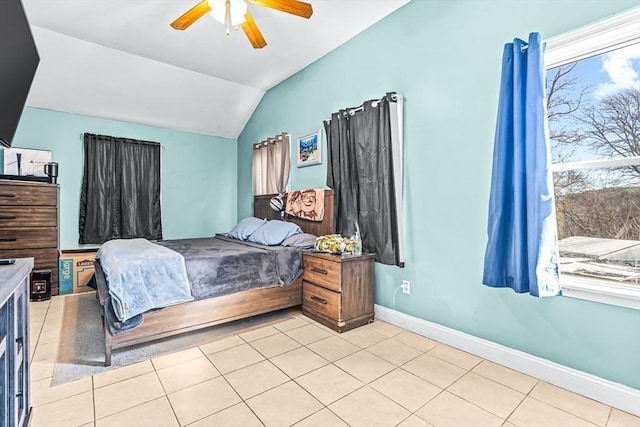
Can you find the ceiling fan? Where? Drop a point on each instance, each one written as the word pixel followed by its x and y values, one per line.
pixel 235 12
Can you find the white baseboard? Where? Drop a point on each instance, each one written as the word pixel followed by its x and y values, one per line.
pixel 608 392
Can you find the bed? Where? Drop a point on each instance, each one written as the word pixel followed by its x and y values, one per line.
pixel 230 305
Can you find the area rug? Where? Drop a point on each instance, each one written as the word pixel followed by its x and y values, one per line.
pixel 81 350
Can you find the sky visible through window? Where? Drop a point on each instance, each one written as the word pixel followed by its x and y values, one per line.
pixel 595 78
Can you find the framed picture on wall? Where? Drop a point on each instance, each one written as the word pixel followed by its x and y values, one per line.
pixel 310 149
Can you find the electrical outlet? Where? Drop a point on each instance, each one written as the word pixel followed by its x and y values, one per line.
pixel 406 287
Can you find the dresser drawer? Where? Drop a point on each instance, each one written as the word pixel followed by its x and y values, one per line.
pixel 28 195
pixel 43 257
pixel 39 216
pixel 28 238
pixel 322 272
pixel 322 301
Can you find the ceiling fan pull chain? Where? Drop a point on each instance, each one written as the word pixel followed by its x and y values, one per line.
pixel 227 17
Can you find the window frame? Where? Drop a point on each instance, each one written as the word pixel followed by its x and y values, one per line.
pixel 613 33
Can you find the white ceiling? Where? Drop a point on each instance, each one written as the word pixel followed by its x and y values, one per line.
pixel 120 59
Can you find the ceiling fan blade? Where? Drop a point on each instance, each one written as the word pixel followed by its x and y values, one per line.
pixel 253 33
pixel 293 7
pixel 191 16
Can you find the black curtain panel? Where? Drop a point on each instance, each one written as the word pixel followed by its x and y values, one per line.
pixel 120 196
pixel 360 171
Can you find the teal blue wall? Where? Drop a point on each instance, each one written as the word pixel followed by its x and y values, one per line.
pixel 445 57
pixel 198 185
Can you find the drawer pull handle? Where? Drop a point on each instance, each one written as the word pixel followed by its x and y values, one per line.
pixel 8 240
pixel 318 270
pixel 8 217
pixel 318 299
pixel 7 195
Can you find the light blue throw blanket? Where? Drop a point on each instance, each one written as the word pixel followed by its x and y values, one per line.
pixel 143 276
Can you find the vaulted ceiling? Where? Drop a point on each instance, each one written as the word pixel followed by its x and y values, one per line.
pixel 120 59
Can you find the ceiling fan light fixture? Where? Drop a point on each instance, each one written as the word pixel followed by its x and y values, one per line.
pixel 236 11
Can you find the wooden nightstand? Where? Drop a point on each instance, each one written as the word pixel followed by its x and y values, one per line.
pixel 337 291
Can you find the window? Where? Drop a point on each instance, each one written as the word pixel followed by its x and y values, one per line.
pixel 593 103
pixel 271 165
pixel 120 196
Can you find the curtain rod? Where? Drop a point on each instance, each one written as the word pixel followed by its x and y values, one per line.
pixel 270 139
pixel 394 97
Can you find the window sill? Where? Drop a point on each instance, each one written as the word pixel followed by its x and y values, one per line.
pixel 602 292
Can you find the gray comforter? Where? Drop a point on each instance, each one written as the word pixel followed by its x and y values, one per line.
pixel 220 266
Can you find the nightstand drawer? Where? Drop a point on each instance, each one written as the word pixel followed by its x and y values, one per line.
pixel 323 272
pixel 321 300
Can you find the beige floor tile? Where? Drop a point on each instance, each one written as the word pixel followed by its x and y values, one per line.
pixel 283 405
pixel 622 419
pixel 534 413
pixel 69 412
pixel 396 384
pixel 256 334
pixel 575 404
pixel 91 424
pixel 48 335
pixel 223 344
pixel 156 413
pixel 323 418
pixel 235 358
pixel 363 337
pixel 489 395
pixel 434 370
pixel 414 421
pixel 256 378
pixel 505 376
pixel 394 351
pixel 385 328
pixel 236 416
pixel 333 348
pixel 380 411
pixel 364 366
pixel 46 352
pixel 42 392
pixel 329 383
pixel 186 374
pixel 448 410
pixel 455 357
pixel 127 394
pixel 123 373
pixel 291 324
pixel 202 400
pixel 416 341
pixel 41 370
pixel 298 362
pixel 308 334
pixel 34 332
pixel 275 345
pixel 177 357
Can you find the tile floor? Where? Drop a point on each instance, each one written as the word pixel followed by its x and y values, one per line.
pixel 299 373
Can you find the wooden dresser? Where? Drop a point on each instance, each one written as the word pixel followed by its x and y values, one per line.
pixel 29 224
pixel 338 291
pixel 15 408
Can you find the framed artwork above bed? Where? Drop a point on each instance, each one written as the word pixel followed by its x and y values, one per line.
pixel 310 149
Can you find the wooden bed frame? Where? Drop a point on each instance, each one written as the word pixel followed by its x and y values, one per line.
pixel 208 312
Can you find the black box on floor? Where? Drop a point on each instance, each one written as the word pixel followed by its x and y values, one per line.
pixel 40 285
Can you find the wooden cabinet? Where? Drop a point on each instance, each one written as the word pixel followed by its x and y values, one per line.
pixel 15 408
pixel 29 224
pixel 338 291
